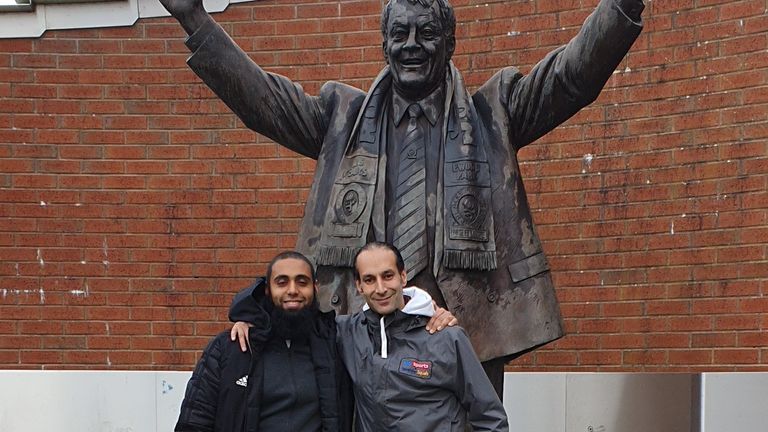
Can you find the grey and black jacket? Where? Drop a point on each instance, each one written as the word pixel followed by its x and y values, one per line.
pixel 418 381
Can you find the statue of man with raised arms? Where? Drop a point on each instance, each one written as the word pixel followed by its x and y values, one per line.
pixel 420 162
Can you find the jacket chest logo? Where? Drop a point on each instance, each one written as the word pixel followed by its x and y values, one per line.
pixel 416 368
pixel 242 382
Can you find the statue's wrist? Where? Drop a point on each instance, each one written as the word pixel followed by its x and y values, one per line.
pixel 193 19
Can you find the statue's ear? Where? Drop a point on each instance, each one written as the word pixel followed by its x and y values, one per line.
pixel 450 46
pixel 384 50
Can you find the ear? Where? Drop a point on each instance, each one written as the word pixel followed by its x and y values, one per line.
pixel 450 46
pixel 359 286
pixel 266 290
pixel 384 51
pixel 404 278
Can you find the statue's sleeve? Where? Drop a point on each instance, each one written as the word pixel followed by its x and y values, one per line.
pixel 267 103
pixel 572 76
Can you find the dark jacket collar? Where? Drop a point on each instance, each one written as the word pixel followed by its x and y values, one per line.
pixel 395 321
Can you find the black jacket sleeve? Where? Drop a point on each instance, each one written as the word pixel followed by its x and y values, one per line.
pixel 198 409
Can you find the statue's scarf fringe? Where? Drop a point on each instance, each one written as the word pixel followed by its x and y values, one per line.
pixel 337 256
pixel 478 260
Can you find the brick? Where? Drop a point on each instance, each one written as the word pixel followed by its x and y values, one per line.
pixel 713 340
pixel 135 358
pixel 108 342
pixel 41 357
pixel 736 356
pixel 99 77
pixel 89 357
pixel 690 357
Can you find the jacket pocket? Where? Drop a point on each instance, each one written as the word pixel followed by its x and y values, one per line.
pixel 528 267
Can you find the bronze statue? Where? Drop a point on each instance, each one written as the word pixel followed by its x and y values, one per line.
pixel 420 162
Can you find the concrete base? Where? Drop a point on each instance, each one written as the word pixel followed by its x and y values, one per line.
pixel 120 401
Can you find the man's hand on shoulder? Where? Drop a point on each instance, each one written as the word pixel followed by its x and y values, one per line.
pixel 440 320
pixel 239 332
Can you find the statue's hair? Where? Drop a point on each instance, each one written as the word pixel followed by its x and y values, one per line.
pixel 446 15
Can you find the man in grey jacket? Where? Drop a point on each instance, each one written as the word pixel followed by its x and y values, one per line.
pixel 403 378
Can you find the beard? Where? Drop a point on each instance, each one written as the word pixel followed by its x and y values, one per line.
pixel 294 325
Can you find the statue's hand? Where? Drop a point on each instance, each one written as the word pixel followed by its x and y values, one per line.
pixel 179 8
pixel 190 13
pixel 239 332
pixel 440 320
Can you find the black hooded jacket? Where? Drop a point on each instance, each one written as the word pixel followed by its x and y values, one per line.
pixel 224 392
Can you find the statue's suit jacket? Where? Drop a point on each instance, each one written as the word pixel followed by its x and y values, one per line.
pixel 505 311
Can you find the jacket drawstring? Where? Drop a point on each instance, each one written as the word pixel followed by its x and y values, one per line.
pixel 383 332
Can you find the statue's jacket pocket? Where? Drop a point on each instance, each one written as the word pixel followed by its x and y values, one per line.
pixel 528 267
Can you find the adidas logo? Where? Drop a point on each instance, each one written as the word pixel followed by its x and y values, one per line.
pixel 242 382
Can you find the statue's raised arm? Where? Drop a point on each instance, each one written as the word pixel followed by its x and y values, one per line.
pixel 267 103
pixel 572 76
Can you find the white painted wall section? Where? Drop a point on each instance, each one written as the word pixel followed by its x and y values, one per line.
pixel 88 15
pixel 90 401
pixel 127 401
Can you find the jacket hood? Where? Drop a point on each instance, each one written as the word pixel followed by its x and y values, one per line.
pixel 420 302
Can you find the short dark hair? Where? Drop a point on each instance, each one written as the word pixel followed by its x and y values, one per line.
pixel 379 245
pixel 289 255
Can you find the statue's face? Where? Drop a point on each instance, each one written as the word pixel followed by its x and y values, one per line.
pixel 416 49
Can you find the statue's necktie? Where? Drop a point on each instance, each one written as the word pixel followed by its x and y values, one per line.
pixel 410 229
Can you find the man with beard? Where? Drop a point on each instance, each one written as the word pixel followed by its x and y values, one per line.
pixel 290 378
pixel 432 168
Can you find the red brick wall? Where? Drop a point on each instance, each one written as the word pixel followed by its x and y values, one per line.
pixel 133 204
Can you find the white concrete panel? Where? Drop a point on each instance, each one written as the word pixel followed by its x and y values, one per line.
pixel 215 5
pixel 535 402
pixel 151 8
pixel 76 401
pixel 169 388
pixel 628 402
pixel 89 15
pixel 734 402
pixel 149 401
pixel 22 24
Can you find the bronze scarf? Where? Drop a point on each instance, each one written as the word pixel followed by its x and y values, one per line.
pixel 466 221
